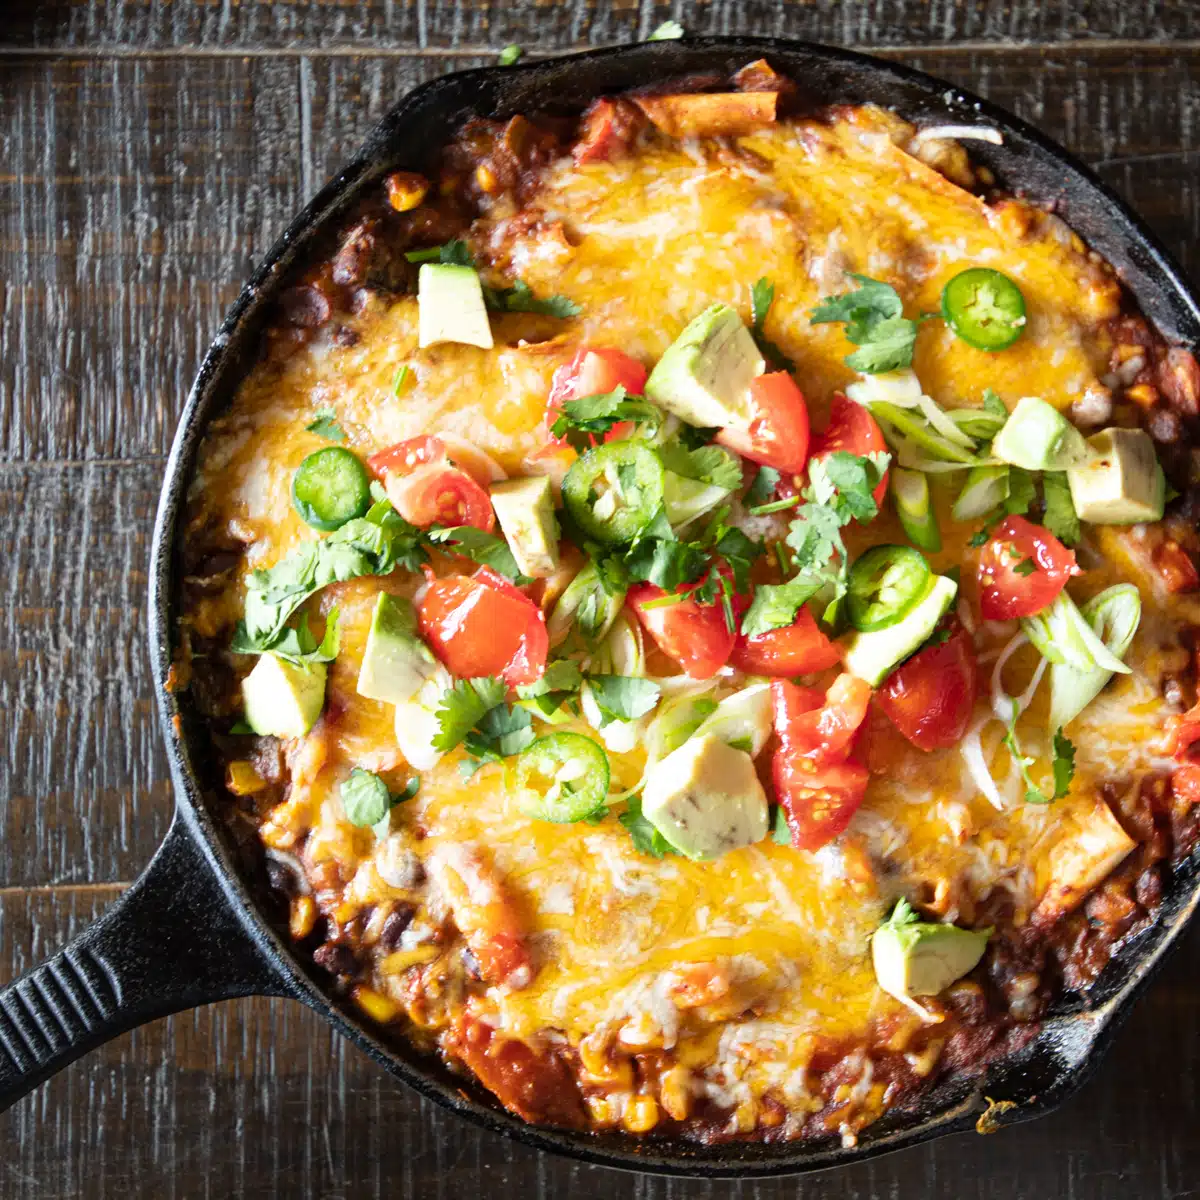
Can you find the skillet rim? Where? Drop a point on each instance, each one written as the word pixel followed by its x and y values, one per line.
pixel 1084 1032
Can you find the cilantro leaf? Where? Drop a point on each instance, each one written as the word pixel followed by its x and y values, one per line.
pixel 500 732
pixel 692 437
pixel 325 424
pixel 365 798
pixel 762 296
pixel 479 546
pixel 849 482
pixel 561 675
pixel 455 253
pixel 520 298
pixel 586 420
pixel 462 706
pixel 665 562
pixel 708 464
pixel 873 316
pixel 1063 764
pixel 646 838
pixel 623 697
pixel 1060 516
pixel 300 646
pixel 1021 491
pixel 763 487
pixel 776 605
pixel 509 55
pixel 668 31
pixel 781 834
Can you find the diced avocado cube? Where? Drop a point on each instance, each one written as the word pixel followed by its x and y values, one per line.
pixel 871 656
pixel 416 722
pixel 395 662
pixel 525 510
pixel 744 720
pixel 686 499
pixel 450 307
pixel 919 958
pixel 1122 483
pixel 705 374
pixel 705 798
pixel 1038 437
pixel 283 699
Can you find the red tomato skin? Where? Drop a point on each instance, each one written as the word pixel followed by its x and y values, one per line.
pixel 930 697
pixel 1175 566
pixel 818 803
pixel 439 494
pixel 594 370
pixel 1182 731
pixel 1005 595
pixel 694 635
pixel 798 649
pixel 407 456
pixel 825 734
pixel 478 628
pixel 778 435
pixel 851 428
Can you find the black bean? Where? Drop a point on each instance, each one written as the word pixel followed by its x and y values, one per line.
pixel 335 958
pixel 398 920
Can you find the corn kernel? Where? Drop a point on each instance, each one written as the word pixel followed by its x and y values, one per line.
pixel 486 178
pixel 641 1114
pixel 1143 394
pixel 377 1007
pixel 303 917
pixel 406 190
pixel 242 779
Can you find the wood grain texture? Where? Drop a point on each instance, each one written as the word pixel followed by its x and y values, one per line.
pixel 149 154
pixel 546 26
pixel 259 1099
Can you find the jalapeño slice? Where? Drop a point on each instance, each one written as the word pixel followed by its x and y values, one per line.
pixel 331 487
pixel 614 491
pixel 885 585
pixel 984 308
pixel 565 775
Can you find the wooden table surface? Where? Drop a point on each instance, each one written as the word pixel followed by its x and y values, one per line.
pixel 149 154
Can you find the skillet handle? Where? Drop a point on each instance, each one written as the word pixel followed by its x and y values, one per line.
pixel 171 942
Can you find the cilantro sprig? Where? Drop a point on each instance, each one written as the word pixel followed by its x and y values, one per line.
pixel 585 421
pixel 1062 762
pixel 623 697
pixel 325 424
pixel 646 838
pixel 367 799
pixel 874 321
pixel 762 296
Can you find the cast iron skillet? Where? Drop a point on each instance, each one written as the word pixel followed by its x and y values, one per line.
pixel 192 929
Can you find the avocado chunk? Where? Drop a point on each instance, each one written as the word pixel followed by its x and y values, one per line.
pixel 871 656
pixel 395 661
pixel 705 375
pixel 686 499
pixel 450 307
pixel 525 510
pixel 1122 483
pixel 416 722
pixel 744 720
pixel 283 699
pixel 1038 437
pixel 705 798
pixel 919 958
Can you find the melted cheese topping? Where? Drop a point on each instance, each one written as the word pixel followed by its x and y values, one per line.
pixel 657 238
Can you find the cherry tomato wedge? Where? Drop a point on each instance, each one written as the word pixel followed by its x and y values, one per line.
pixel 695 635
pixel 1182 732
pixel 1021 569
pixel 593 371
pixel 851 428
pixel 818 803
pixel 825 734
pixel 797 649
pixel 1176 567
pixel 483 625
pixel 425 487
pixel 930 697
pixel 778 435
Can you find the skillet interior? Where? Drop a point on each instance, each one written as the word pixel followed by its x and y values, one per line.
pixel 1057 1061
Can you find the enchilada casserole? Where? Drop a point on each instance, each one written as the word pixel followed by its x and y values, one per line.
pixel 694 607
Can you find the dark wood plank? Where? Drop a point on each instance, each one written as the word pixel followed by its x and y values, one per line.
pixel 259 1099
pixel 126 232
pixel 542 26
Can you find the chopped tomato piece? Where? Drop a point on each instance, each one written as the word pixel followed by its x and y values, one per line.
pixel 797 649
pixel 1021 569
pixel 1182 731
pixel 1185 784
pixel 606 129
pixel 483 625
pixel 426 488
pixel 778 432
pixel 595 371
pixel 818 803
pixel 929 698
pixel 824 734
pixel 695 635
pixel 1176 567
pixel 853 430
